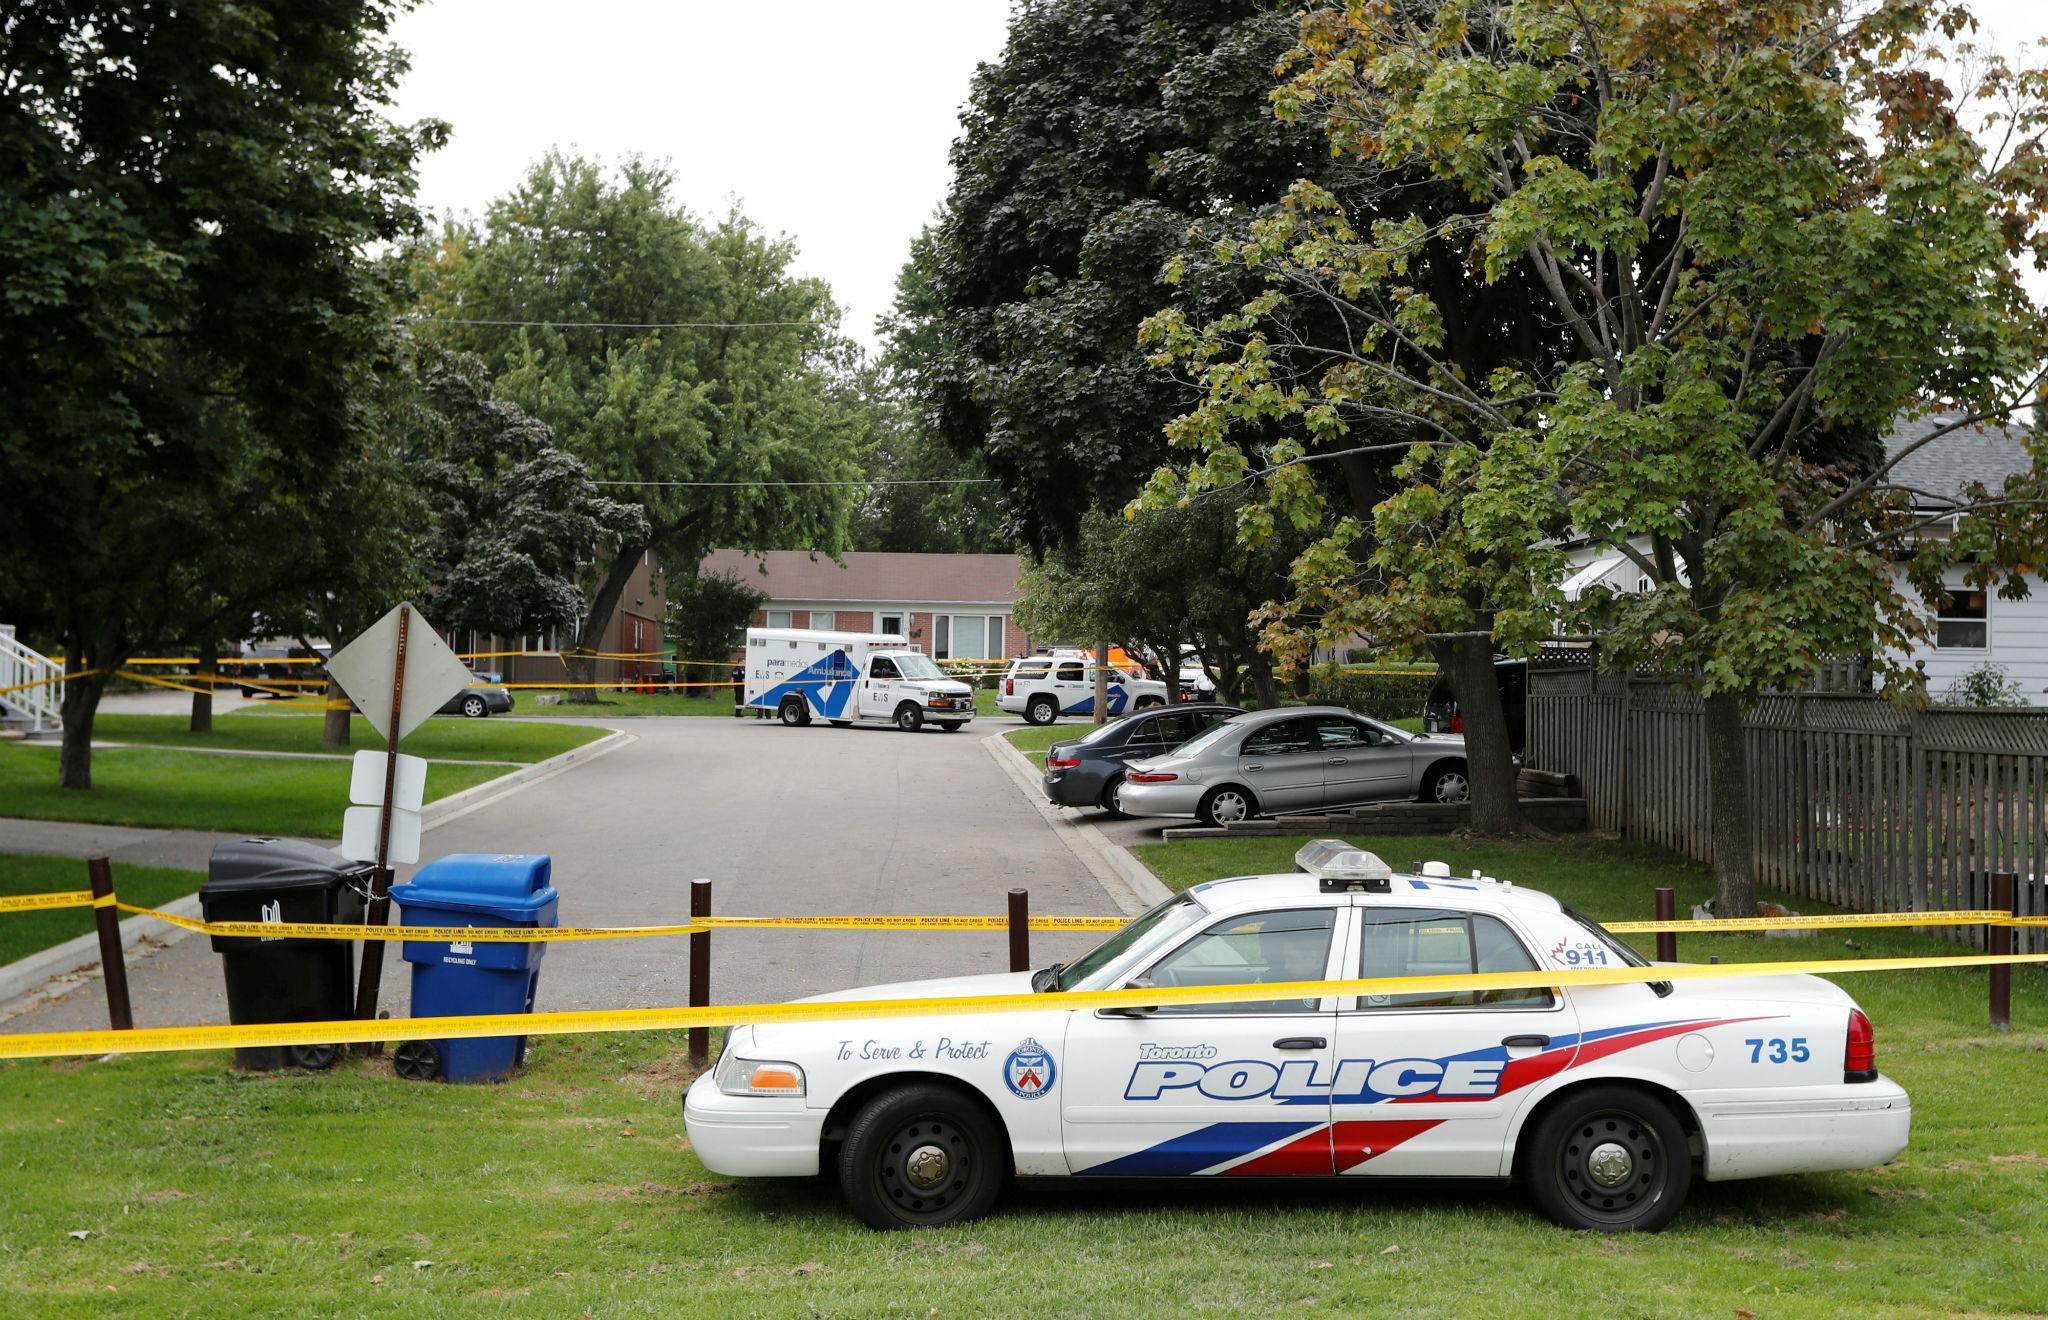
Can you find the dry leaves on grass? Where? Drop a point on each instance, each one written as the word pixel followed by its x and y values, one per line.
pixel 163 1196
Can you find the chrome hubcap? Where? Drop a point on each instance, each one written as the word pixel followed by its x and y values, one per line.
pixel 1453 788
pixel 1229 806
pixel 1609 1165
pixel 927 1167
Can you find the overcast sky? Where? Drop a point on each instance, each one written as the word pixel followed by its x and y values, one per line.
pixel 827 120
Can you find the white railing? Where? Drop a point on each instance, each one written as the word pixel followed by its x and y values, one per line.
pixel 39 703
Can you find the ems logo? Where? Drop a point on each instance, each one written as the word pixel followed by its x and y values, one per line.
pixel 1028 1070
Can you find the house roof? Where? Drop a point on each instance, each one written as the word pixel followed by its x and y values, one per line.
pixel 1986 453
pixel 880 577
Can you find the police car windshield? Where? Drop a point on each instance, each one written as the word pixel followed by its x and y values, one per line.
pixel 1107 960
pixel 917 666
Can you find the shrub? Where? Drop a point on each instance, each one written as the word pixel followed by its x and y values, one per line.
pixel 1988 685
pixel 1381 693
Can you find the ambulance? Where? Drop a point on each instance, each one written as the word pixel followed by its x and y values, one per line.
pixel 798 674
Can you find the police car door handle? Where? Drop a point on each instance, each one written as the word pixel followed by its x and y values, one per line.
pixel 1301 1043
pixel 1526 1042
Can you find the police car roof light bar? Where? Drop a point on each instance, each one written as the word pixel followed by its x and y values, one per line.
pixel 1340 867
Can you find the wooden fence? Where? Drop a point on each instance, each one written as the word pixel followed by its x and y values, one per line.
pixel 1854 802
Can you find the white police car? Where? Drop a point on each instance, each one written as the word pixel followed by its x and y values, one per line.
pixel 1042 688
pixel 1604 1102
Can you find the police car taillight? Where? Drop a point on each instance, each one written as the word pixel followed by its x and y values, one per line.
pixel 1009 687
pixel 1859 1060
pixel 1339 867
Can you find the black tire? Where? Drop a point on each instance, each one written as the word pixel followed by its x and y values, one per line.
pixel 793 712
pixel 950 726
pixel 1602 1133
pixel 314 1058
pixel 841 724
pixel 1217 809
pixel 1041 710
pixel 909 718
pixel 474 708
pixel 248 694
pixel 416 1061
pixel 1111 800
pixel 1447 783
pixel 949 1139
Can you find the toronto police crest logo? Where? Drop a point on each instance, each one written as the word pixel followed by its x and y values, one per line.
pixel 1028 1070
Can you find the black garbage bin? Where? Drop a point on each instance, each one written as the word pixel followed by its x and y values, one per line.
pixel 285 980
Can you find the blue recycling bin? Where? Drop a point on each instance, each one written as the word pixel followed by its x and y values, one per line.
pixel 451 979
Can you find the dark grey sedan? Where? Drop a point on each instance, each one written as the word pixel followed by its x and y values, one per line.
pixel 478 702
pixel 1090 772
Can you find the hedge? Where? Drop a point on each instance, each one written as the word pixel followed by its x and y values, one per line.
pixel 1382 694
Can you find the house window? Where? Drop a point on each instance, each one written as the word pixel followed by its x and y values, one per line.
pixel 1964 620
pixel 891 623
pixel 549 640
pixel 777 619
pixel 823 619
pixel 967 636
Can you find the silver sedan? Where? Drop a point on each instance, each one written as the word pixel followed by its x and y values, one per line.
pixel 1295 759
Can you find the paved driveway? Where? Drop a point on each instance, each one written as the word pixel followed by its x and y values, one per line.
pixel 816 820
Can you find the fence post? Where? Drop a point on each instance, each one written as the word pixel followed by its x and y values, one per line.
pixel 1667 910
pixel 1020 931
pixel 700 971
pixel 1998 941
pixel 113 967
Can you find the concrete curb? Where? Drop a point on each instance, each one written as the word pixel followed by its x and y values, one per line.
pixel 25 982
pixel 1123 877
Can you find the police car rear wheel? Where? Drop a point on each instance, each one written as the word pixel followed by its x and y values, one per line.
pixel 1041 710
pixel 1610 1159
pixel 920 1156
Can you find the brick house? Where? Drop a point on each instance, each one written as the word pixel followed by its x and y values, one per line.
pixel 951 607
pixel 636 626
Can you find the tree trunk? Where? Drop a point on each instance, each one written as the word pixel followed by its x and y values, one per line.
pixel 1489 755
pixel 334 730
pixel 80 706
pixel 590 635
pixel 1101 703
pixel 1265 692
pixel 1728 805
pixel 202 696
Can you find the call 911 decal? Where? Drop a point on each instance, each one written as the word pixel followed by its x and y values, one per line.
pixel 1581 953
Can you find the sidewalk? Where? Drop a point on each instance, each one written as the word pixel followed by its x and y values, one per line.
pixel 187 850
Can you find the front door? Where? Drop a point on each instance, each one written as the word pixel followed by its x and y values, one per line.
pixel 1211 1088
pixel 1429 1084
pixel 878 688
pixel 1073 687
pixel 1283 764
pixel 1361 763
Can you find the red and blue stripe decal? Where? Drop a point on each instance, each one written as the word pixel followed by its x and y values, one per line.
pixel 1313 1148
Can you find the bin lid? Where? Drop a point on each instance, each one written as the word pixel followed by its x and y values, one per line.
pixel 508 884
pixel 271 864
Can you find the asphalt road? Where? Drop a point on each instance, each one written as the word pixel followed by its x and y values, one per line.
pixel 783 821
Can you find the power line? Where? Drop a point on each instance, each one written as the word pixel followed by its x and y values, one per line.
pixel 732 485
pixel 606 325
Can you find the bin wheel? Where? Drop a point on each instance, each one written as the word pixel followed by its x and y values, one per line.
pixel 417 1061
pixel 317 1058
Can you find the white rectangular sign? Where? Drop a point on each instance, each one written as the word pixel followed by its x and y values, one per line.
pixel 359 835
pixel 408 788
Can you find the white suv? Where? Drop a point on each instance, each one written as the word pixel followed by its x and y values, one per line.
pixel 1042 688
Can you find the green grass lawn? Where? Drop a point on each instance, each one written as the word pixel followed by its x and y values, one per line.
pixel 194 791
pixel 614 705
pixel 23 933
pixel 573 1190
pixel 452 738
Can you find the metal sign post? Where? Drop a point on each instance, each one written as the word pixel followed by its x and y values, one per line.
pixel 371 979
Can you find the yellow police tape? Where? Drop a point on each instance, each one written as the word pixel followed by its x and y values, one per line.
pixel 1835 920
pixel 914 923
pixel 151 1040
pixel 69 898
pixel 324 930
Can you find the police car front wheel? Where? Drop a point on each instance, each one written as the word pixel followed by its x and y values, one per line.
pixel 1611 1159
pixel 921 1156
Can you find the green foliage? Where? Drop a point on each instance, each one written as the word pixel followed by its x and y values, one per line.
pixel 1986 687
pixel 1382 695
pixel 187 319
pixel 708 615
pixel 1086 151
pixel 752 386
